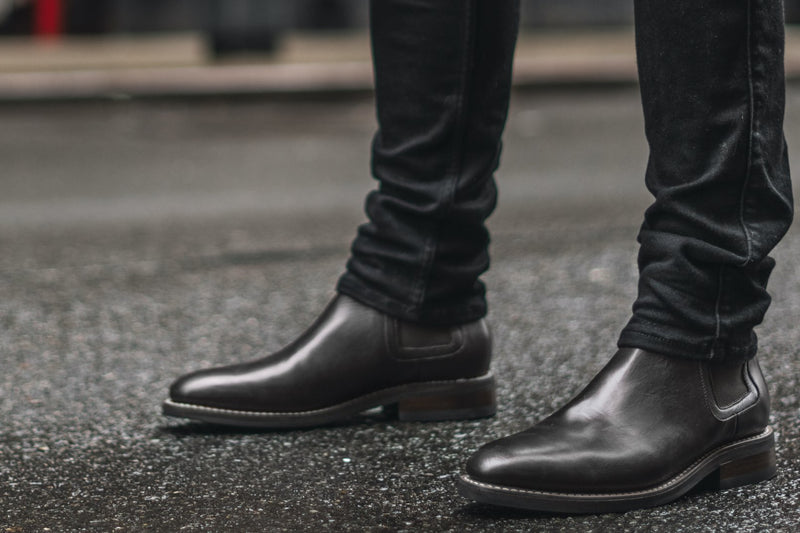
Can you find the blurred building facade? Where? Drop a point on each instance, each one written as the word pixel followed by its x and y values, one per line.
pixel 248 19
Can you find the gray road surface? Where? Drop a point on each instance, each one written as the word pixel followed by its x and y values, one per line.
pixel 143 240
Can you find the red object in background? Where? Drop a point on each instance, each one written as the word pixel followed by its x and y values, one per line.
pixel 48 18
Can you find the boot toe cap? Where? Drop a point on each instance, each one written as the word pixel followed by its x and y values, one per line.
pixel 201 388
pixel 493 463
pixel 529 462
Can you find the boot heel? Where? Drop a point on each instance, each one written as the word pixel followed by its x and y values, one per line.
pixel 747 470
pixel 456 401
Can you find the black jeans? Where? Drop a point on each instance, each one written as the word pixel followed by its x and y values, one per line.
pixel 711 74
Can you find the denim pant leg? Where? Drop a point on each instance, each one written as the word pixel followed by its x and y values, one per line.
pixel 711 74
pixel 442 80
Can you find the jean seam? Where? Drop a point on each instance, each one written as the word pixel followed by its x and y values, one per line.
pixel 751 134
pixel 456 163
pixel 730 350
pixel 717 317
pixel 747 178
pixel 450 315
pixel 658 337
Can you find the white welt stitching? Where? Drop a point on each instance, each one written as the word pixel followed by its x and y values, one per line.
pixel 203 408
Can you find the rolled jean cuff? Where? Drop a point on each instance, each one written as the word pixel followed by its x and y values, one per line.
pixel 446 314
pixel 657 339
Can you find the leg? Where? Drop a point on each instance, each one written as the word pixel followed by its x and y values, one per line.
pixel 713 96
pixel 684 399
pixel 407 329
pixel 443 74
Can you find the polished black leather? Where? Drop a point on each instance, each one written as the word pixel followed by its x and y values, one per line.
pixel 352 351
pixel 644 419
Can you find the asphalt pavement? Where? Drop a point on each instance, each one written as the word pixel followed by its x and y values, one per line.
pixel 144 239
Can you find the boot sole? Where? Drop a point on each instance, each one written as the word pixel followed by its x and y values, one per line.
pixel 426 401
pixel 738 463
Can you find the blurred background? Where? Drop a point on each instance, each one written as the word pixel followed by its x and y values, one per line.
pixel 234 26
pixel 244 24
pixel 252 24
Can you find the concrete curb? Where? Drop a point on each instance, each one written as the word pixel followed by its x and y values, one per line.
pixel 317 78
pixel 179 65
pixel 322 66
pixel 187 81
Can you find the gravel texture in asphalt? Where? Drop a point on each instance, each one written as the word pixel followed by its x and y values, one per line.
pixel 143 240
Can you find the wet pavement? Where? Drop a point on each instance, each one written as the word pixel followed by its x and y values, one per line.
pixel 141 240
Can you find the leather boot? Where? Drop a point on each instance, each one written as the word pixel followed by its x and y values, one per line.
pixel 645 431
pixel 353 358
